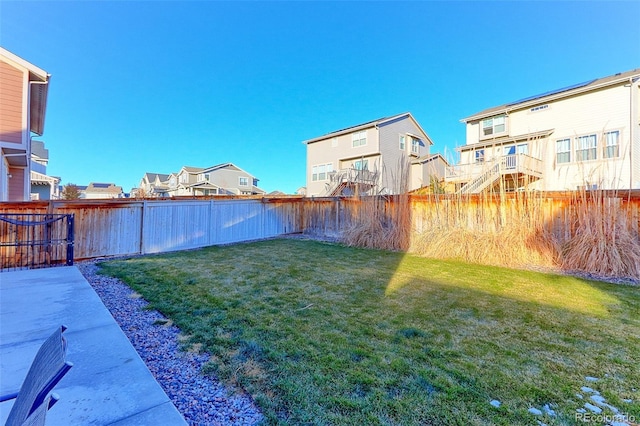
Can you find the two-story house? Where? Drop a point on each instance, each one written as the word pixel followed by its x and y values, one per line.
pixel 221 179
pixel 23 101
pixel 584 136
pixel 226 179
pixel 376 157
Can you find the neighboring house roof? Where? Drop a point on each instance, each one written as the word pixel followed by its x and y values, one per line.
pixel 39 91
pixel 42 179
pixel 553 95
pixel 430 157
pixel 189 169
pixel 152 176
pixel 223 166
pixel 38 149
pixel 109 188
pixel 368 124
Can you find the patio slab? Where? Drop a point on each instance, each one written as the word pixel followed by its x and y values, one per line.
pixel 108 384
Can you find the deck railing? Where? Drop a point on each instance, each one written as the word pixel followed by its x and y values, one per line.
pixel 513 163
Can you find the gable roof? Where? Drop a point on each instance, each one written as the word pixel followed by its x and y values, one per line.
pixel 190 169
pixel 553 95
pixel 430 157
pixel 152 176
pixel 227 166
pixel 368 124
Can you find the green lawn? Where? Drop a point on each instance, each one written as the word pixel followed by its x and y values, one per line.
pixel 320 333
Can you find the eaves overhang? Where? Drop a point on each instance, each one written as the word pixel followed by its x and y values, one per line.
pixel 504 140
pixel 597 84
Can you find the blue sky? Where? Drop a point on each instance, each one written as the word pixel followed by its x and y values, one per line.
pixel 151 86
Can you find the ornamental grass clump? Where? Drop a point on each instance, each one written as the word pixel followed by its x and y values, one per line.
pixel 604 242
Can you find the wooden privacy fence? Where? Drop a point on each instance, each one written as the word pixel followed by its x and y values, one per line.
pixel 118 228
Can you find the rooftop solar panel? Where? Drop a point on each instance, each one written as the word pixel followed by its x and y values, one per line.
pixel 553 92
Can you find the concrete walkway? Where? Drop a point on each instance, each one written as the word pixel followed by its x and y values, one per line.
pixel 109 383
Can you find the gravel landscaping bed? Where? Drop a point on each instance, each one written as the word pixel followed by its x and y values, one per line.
pixel 200 399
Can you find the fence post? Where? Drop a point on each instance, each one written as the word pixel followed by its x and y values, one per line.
pixel 70 238
pixel 142 214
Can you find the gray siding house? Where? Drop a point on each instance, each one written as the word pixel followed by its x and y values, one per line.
pixel 370 158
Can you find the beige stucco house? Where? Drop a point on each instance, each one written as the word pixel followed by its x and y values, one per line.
pixel 23 101
pixel 585 136
pixel 370 158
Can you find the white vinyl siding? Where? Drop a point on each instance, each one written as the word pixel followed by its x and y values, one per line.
pixel 586 148
pixel 612 143
pixel 563 151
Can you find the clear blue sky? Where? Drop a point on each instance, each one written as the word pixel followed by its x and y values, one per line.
pixel 151 86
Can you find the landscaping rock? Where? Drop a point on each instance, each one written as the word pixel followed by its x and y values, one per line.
pixel 593 408
pixel 495 403
pixel 535 411
pixel 591 379
pixel 200 399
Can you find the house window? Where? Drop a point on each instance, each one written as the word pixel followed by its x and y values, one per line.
pixel 203 177
pixel 522 148
pixel 586 148
pixel 563 151
pixel 321 172
pixel 480 156
pixel 611 149
pixel 243 181
pixel 361 165
pixel 403 144
pixel 359 138
pixel 415 145
pixel 334 142
pixel 184 178
pixel 494 125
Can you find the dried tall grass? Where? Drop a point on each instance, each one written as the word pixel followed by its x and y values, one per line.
pixel 489 228
pixel 603 242
pixel 382 221
pixel 503 229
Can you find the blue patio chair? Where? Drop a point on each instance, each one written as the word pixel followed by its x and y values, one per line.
pixel 34 397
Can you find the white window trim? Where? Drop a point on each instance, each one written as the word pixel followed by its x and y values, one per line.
pixel 315 172
pixel 359 139
pixel 240 181
pixel 568 150
pixel 402 142
pixel 494 133
pixel 580 149
pixel 415 145
pixel 606 146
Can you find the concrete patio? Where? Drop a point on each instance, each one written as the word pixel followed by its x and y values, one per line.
pixel 109 383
